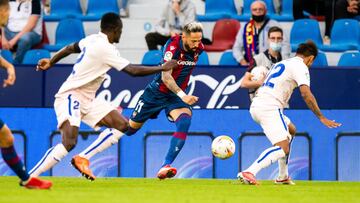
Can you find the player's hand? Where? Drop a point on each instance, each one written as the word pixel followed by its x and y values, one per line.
pixel 243 62
pixel 43 64
pixel 11 76
pixel 170 65
pixel 329 123
pixel 190 99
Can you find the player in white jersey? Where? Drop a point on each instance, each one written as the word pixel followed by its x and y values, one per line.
pixel 75 101
pixel 254 78
pixel 270 100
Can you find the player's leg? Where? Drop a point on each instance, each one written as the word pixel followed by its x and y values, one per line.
pixel 284 177
pixel 182 119
pixel 276 131
pixel 69 117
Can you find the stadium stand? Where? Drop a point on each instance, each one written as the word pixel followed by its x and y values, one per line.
pixel 350 59
pixel 61 9
pixel 69 30
pixel 152 57
pixel 305 29
pixel 227 59
pixel 96 8
pixel 320 60
pixel 286 12
pixel 203 59
pixel 221 40
pixel 7 55
pixel 33 56
pixel 216 10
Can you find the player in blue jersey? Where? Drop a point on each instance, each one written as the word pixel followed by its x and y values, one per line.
pixel 166 91
pixel 6 137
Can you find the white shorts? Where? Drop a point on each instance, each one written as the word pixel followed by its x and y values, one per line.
pixel 273 122
pixel 76 108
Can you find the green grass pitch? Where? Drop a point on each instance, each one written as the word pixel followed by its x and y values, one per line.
pixel 108 190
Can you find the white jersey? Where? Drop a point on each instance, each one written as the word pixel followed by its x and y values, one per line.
pixel 280 82
pixel 97 57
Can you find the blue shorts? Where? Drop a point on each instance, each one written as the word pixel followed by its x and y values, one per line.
pixel 152 102
pixel 1 123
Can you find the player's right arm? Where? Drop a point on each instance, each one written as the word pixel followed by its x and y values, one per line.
pixel 170 83
pixel 44 64
pixel 313 106
pixel 10 72
pixel 136 70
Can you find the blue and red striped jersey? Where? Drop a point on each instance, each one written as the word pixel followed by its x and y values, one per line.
pixel 174 49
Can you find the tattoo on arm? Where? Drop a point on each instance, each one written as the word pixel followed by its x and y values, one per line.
pixel 311 103
pixel 170 82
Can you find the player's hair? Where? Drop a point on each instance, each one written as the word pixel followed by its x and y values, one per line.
pixel 275 29
pixel 307 49
pixel 4 2
pixel 110 22
pixel 193 27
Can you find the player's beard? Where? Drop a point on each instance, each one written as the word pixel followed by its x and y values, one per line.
pixel 189 49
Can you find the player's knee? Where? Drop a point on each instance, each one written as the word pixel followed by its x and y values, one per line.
pixel 120 124
pixel 286 149
pixel 69 144
pixel 183 122
pixel 292 130
pixel 6 137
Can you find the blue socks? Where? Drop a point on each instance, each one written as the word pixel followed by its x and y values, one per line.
pixel 178 140
pixel 14 162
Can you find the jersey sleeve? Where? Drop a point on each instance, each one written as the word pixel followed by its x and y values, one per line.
pixel 301 75
pixel 169 49
pixel 113 59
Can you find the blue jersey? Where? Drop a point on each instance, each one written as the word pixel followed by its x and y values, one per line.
pixel 174 49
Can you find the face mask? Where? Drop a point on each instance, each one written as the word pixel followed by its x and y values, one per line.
pixel 258 18
pixel 275 46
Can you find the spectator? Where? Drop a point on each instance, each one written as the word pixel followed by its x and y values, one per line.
pixel 251 38
pixel 176 14
pixel 123 6
pixel 24 27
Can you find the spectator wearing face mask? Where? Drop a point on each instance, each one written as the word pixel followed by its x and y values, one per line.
pixel 252 37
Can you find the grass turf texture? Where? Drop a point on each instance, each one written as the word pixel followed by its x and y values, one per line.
pixel 106 190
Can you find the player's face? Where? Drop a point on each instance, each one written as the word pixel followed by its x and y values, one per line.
pixel 117 35
pixel 4 15
pixel 192 41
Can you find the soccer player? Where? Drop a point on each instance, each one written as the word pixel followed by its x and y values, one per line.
pixel 75 101
pixel 166 91
pixel 254 78
pixel 272 97
pixel 6 137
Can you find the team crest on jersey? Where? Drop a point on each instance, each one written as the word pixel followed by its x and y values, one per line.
pixel 172 48
pixel 168 56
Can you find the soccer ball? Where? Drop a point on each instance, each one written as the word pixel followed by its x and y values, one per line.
pixel 223 147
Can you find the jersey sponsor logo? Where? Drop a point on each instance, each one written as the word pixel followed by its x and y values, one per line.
pixel 168 56
pixel 186 63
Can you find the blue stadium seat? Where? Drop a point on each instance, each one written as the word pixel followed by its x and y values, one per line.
pixel 286 12
pixel 7 55
pixel 227 59
pixel 246 14
pixel 34 55
pixel 216 10
pixel 203 59
pixel 61 9
pixel 345 35
pixel 152 57
pixel 69 30
pixel 305 29
pixel 350 59
pixel 320 60
pixel 96 9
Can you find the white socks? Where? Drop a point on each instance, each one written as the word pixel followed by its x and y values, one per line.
pixel 105 140
pixel 267 157
pixel 283 168
pixel 51 157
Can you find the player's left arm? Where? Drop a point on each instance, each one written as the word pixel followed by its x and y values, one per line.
pixel 45 64
pixel 136 70
pixel 247 81
pixel 10 72
pixel 311 102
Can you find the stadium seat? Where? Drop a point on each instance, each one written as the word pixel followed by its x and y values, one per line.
pixel 44 38
pixel 320 60
pixel 34 55
pixel 203 59
pixel 223 35
pixel 286 12
pixel 68 31
pixel 96 9
pixel 345 35
pixel 7 55
pixel 61 9
pixel 227 59
pixel 152 57
pixel 246 14
pixel 305 29
pixel 216 10
pixel 350 59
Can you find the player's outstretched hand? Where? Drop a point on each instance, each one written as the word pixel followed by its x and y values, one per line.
pixel 190 99
pixel 11 76
pixel 170 65
pixel 329 123
pixel 43 64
